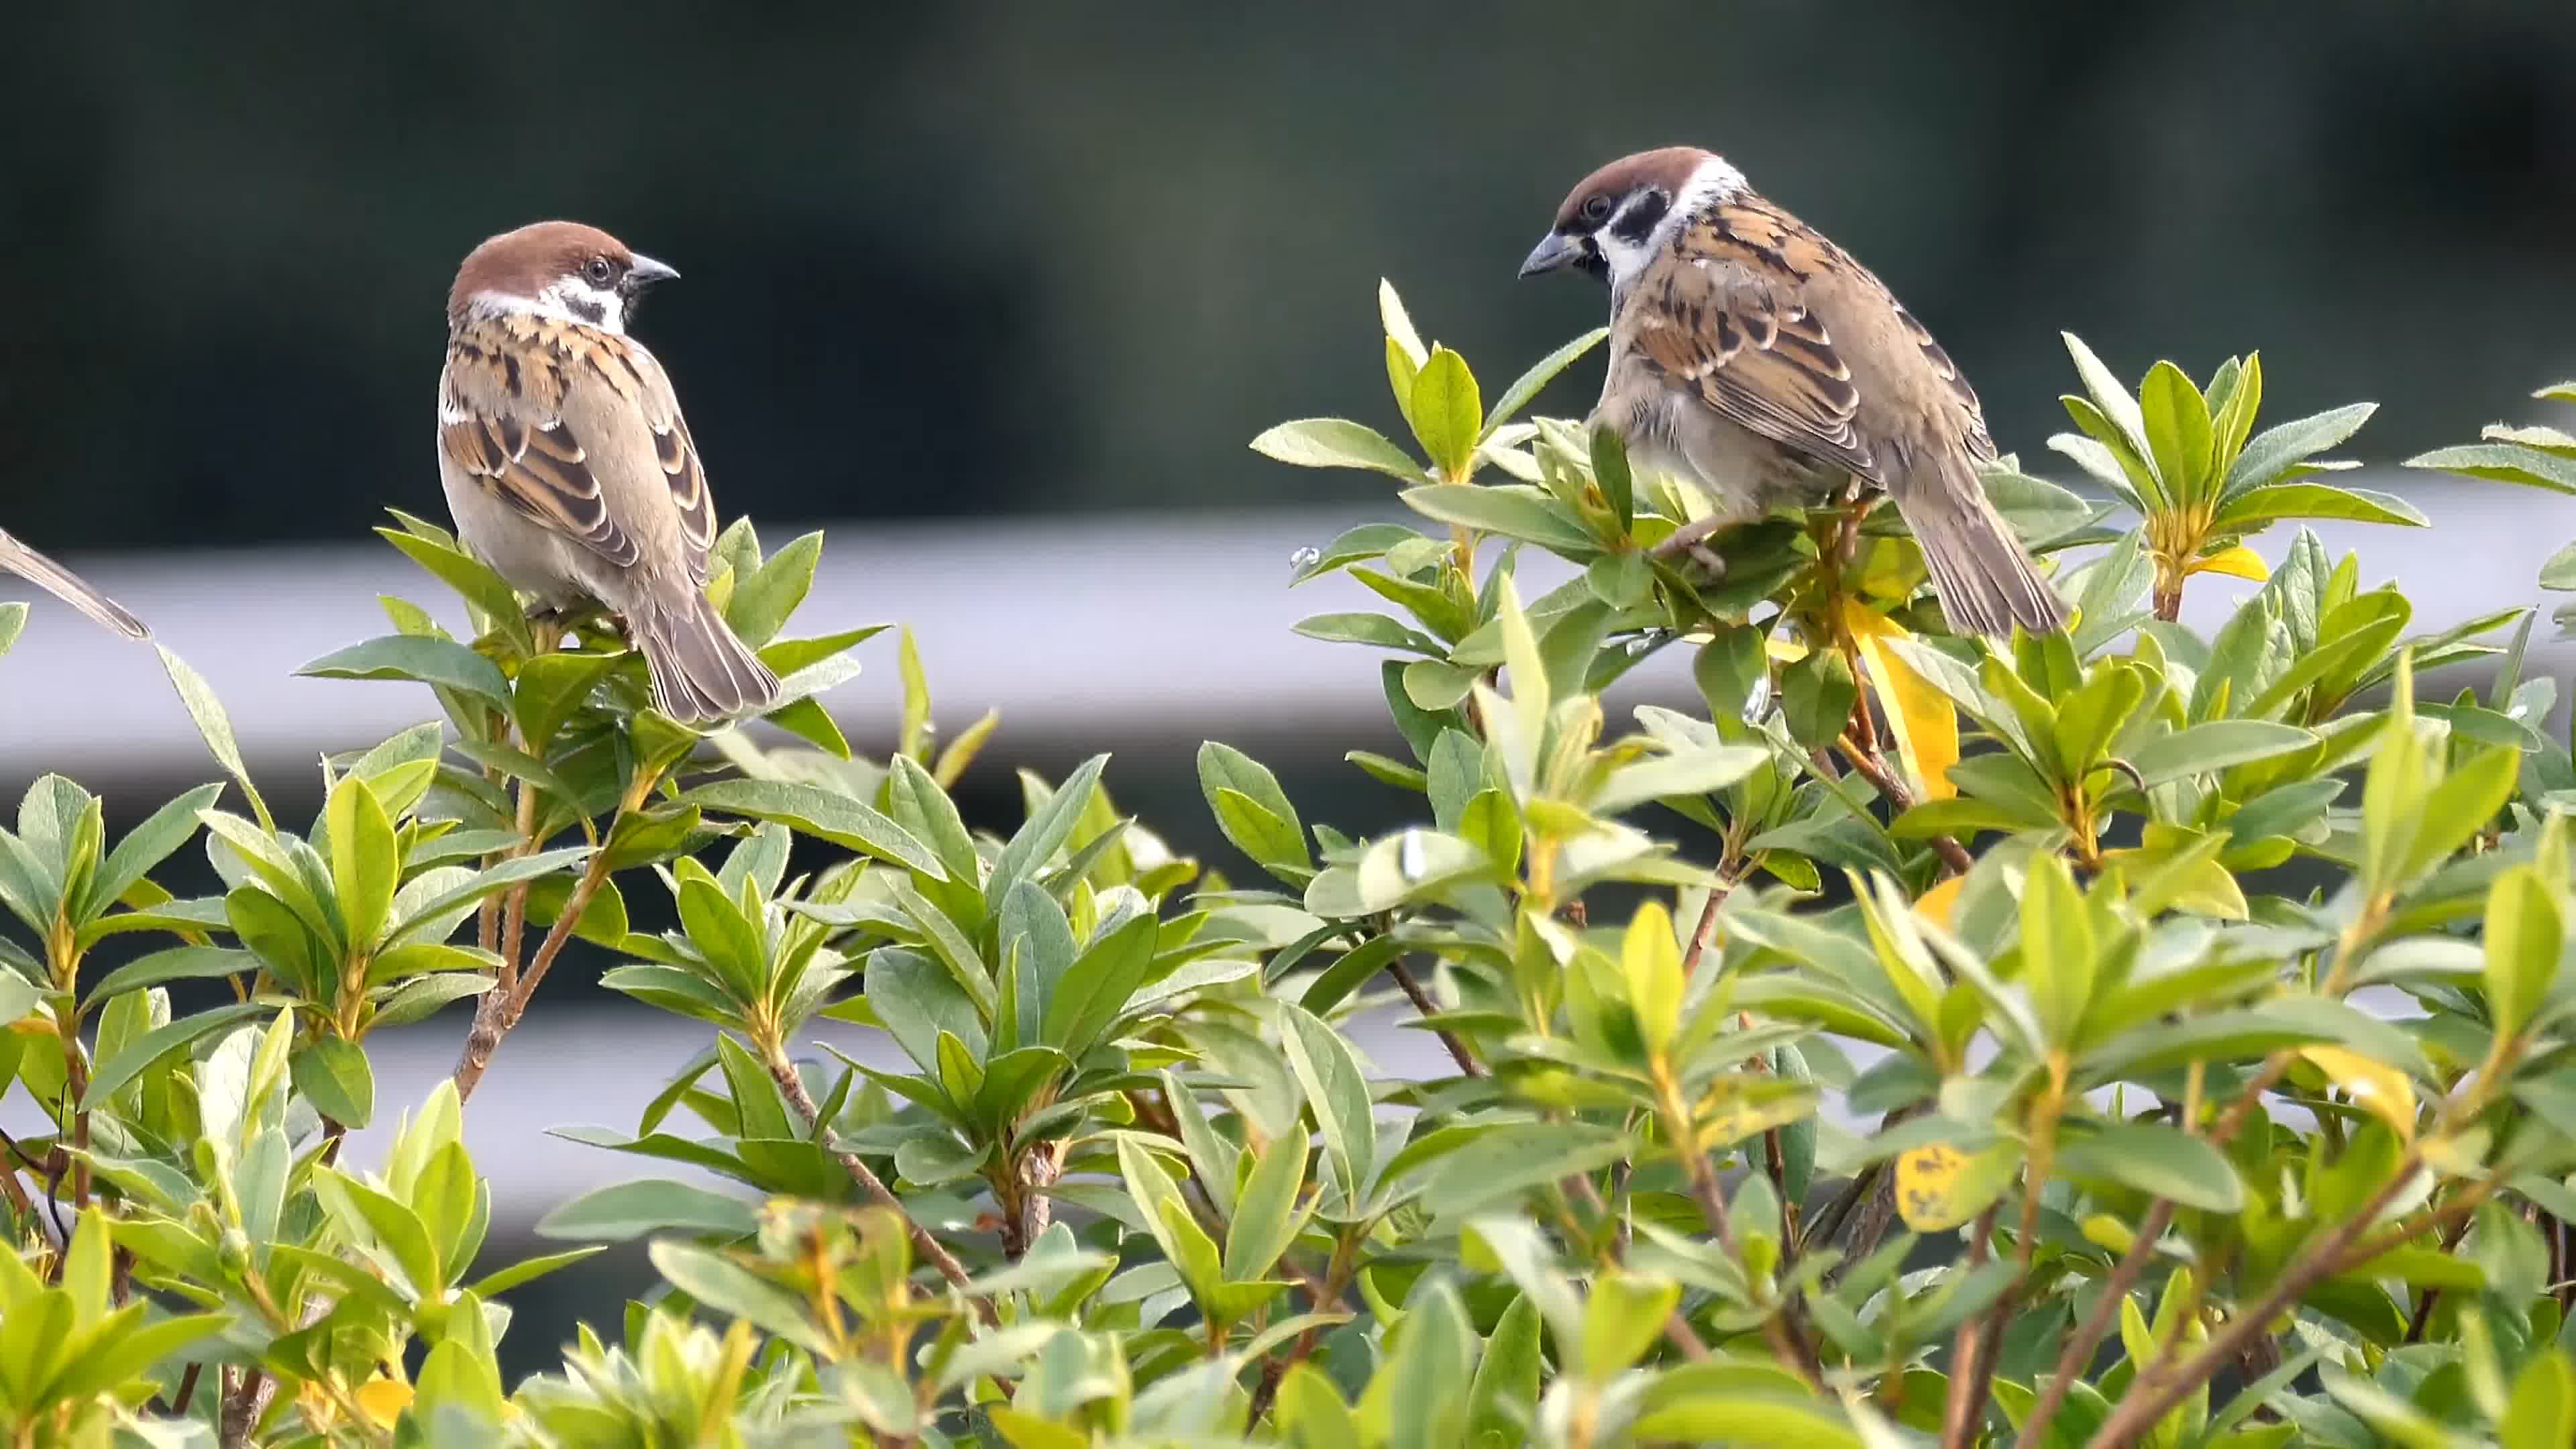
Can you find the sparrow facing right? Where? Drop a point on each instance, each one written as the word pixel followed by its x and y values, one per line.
pixel 69 587
pixel 1756 358
pixel 568 467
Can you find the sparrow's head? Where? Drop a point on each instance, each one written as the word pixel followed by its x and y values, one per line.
pixel 555 269
pixel 1621 215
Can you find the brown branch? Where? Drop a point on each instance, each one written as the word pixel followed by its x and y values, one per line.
pixel 1965 1406
pixel 1870 767
pixel 1422 1003
pixel 1706 930
pixel 1793 1354
pixel 2079 1350
pixel 783 1072
pixel 502 1007
pixel 2157 1390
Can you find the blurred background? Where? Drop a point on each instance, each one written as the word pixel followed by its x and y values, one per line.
pixel 998 293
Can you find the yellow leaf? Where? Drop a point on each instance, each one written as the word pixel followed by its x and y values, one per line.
pixel 1940 902
pixel 2375 1087
pixel 2235 559
pixel 1783 649
pixel 382 1400
pixel 1926 727
pixel 1938 1187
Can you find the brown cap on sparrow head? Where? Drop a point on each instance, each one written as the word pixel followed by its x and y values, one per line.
pixel 1756 358
pixel 69 587
pixel 568 466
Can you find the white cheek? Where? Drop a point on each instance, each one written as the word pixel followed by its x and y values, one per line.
pixel 575 301
pixel 1625 258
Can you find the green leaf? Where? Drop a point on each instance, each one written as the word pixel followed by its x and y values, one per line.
pixel 420 998
pixel 761 603
pixel 1447 415
pixel 2159 1160
pixel 1512 510
pixel 418 658
pixel 1045 831
pixel 1094 990
pixel 333 1075
pixel 1265 1219
pixel 2504 463
pixel 2257 506
pixel 451 565
pixel 2542 1412
pixel 213 725
pixel 1622 1319
pixel 2204 749
pixel 717 1282
pixel 526 1270
pixel 116 1071
pixel 1330 1076
pixel 1258 818
pixel 1335 443
pixel 1816 697
pixel 821 813
pixel 2524 937
pixel 1541 373
pixel 365 861
pixel 2057 950
pixel 551 687
pixel 178 963
pixel 372 1216
pixel 147 845
pixel 1611 473
pixel 2178 430
pixel 1508 1159
pixel 624 1211
pixel 2275 451
pixel 1376 630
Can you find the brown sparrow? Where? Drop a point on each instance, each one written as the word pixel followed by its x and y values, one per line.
pixel 568 466
pixel 69 587
pixel 1757 359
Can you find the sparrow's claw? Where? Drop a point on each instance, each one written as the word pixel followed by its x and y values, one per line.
pixel 1709 560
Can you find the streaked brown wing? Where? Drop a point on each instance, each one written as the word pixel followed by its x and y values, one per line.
pixel 1972 414
pixel 540 469
pixel 1748 352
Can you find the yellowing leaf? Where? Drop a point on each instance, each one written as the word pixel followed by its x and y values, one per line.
pixel 2375 1087
pixel 1938 1187
pixel 1926 727
pixel 382 1400
pixel 2236 559
pixel 1783 648
pixel 1940 902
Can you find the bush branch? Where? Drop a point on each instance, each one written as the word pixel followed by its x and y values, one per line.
pixel 2159 1389
pixel 783 1072
pixel 1422 1003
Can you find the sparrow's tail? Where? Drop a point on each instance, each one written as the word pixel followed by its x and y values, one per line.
pixel 1984 576
pixel 69 587
pixel 701 672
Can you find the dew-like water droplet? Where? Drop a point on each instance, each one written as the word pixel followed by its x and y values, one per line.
pixel 1304 559
pixel 1410 856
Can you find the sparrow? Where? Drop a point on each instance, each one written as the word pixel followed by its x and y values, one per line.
pixel 69 587
pixel 1754 357
pixel 568 467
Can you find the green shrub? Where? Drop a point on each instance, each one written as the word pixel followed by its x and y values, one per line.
pixel 1926 1040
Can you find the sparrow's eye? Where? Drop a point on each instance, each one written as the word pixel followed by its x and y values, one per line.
pixel 600 271
pixel 1597 209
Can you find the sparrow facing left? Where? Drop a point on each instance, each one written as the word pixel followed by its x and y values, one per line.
pixel 69 587
pixel 568 467
pixel 1756 358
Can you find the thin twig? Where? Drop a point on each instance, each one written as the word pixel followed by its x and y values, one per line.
pixel 1422 1002
pixel 491 1026
pixel 1702 933
pixel 783 1072
pixel 2157 1390
pixel 1899 799
pixel 1793 1354
pixel 1966 1404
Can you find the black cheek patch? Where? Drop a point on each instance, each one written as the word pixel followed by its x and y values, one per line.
pixel 588 309
pixel 1638 222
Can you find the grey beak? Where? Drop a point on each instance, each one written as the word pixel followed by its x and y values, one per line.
pixel 1553 251
pixel 643 272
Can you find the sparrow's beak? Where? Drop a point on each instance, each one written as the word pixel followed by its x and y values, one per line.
pixel 645 272
pixel 1554 250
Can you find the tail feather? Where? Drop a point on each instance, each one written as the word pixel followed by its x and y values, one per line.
pixel 701 672
pixel 69 587
pixel 1985 578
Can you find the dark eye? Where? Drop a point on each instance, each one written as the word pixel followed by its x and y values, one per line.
pixel 600 271
pixel 1597 209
